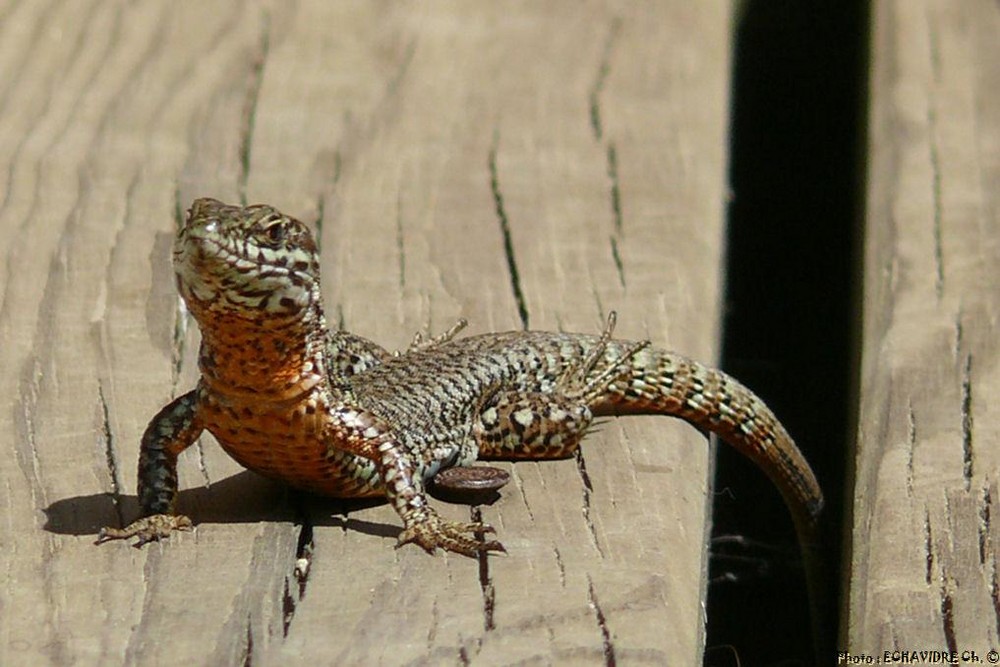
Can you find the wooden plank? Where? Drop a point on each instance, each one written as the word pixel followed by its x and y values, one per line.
pixel 435 146
pixel 924 565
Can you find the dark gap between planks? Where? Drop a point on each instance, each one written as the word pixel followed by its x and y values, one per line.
pixel 796 173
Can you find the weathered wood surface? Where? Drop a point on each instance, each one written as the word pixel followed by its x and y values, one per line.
pixel 435 145
pixel 924 565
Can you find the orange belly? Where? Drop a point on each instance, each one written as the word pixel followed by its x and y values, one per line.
pixel 284 441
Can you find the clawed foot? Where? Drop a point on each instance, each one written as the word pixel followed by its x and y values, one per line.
pixel 430 531
pixel 146 529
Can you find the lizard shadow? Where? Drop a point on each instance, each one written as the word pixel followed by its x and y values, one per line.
pixel 241 498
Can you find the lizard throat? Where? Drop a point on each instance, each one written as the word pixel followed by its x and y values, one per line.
pixel 263 357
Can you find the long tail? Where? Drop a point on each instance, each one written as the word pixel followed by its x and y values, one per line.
pixel 658 382
pixel 662 383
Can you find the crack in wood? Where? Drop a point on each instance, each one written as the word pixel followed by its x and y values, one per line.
pixel 178 343
pixel 320 220
pixel 26 448
pixel 485 579
pixel 287 609
pixel 339 316
pixel 617 259
pixel 106 438
pixel 602 625
pixel 959 331
pixel 588 487
pixel 603 69
pixel 948 618
pixel 596 123
pixel 911 423
pixel 984 524
pixel 400 247
pixel 508 242
pixel 249 116
pixel 304 553
pixel 327 189
pixel 995 593
pixel 616 211
pixel 951 522
pixel 928 548
pixel 519 485
pixel 968 455
pixel 560 565
pixel 179 213
pixel 248 648
pixel 300 571
pixel 182 317
pixel 616 201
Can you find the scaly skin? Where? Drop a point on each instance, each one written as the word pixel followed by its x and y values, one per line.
pixel 335 414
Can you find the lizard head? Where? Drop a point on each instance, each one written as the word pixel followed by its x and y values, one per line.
pixel 245 261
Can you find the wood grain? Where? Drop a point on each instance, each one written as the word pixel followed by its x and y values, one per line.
pixel 924 566
pixel 517 164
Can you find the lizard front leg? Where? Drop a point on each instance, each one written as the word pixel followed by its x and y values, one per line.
pixel 169 433
pixel 402 475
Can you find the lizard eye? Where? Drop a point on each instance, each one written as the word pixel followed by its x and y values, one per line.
pixel 275 232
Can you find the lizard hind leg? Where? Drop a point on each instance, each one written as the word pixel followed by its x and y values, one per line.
pixel 421 343
pixel 551 424
pixel 535 425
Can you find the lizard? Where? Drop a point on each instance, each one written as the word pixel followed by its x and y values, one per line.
pixel 330 412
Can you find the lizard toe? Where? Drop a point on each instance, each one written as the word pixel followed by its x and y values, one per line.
pixel 147 529
pixel 430 532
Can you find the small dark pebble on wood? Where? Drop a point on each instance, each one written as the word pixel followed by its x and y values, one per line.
pixel 468 484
